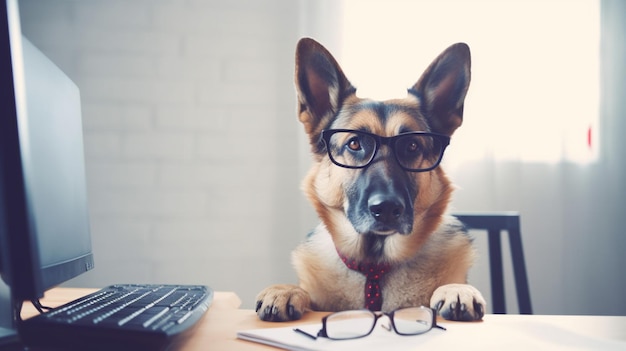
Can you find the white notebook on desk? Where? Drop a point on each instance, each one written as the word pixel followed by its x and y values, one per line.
pixel 380 339
pixel 500 334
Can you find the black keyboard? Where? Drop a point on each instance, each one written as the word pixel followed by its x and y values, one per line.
pixel 128 317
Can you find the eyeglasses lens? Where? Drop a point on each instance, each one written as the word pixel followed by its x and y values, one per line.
pixel 352 149
pixel 414 320
pixel 417 152
pixel 350 324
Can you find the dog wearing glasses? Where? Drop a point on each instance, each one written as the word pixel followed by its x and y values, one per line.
pixel 385 240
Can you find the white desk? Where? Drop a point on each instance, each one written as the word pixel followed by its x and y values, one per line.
pixel 218 329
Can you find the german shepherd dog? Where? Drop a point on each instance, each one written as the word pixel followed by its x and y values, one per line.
pixel 385 240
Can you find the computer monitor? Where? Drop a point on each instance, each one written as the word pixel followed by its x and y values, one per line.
pixel 44 223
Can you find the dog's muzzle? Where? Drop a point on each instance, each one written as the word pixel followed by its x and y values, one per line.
pixel 380 204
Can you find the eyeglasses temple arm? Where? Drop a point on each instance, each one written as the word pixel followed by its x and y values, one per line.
pixel 298 330
pixel 435 325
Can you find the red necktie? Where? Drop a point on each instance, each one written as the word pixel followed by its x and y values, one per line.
pixel 373 273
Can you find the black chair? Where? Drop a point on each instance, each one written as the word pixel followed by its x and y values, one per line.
pixel 494 224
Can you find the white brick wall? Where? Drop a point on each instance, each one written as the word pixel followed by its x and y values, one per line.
pixel 191 136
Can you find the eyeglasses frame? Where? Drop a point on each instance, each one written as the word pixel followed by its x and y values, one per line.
pixel 388 141
pixel 377 315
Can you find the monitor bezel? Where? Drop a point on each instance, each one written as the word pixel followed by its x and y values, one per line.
pixel 20 256
pixel 20 263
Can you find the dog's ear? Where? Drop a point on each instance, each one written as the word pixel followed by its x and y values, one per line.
pixel 442 89
pixel 321 87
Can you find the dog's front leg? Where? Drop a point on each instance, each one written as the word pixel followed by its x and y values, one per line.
pixel 458 302
pixel 279 303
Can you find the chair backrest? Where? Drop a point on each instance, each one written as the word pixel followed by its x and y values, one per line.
pixel 494 223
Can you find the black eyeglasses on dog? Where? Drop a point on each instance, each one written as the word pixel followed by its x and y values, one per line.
pixel 355 324
pixel 414 151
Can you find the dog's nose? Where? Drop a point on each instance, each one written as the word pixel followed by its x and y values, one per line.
pixel 385 209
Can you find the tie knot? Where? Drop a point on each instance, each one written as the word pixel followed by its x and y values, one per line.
pixel 371 270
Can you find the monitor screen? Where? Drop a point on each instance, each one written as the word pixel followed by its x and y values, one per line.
pixel 44 224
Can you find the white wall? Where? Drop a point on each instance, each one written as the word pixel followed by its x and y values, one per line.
pixel 190 132
pixel 194 153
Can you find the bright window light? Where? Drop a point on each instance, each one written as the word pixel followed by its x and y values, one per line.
pixel 534 94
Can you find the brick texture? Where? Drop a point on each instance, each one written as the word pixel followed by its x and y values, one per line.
pixel 191 136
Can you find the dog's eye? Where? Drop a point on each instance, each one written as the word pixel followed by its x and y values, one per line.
pixel 412 146
pixel 354 144
pixel 409 146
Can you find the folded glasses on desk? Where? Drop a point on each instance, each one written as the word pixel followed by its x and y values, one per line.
pixel 355 324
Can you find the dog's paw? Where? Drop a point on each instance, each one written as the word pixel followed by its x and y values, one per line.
pixel 279 303
pixel 458 302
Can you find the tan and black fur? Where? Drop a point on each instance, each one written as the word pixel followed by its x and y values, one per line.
pixel 428 251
